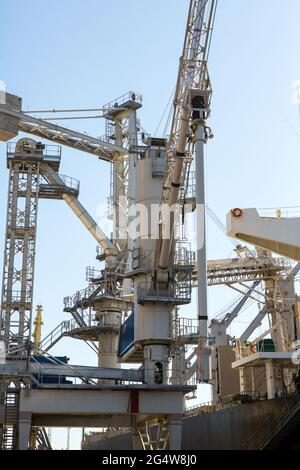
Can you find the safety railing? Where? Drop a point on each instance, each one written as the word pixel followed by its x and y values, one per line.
pixel 54 336
pixel 184 256
pixel 227 402
pixel 100 251
pixel 247 263
pixel 105 288
pixel 118 102
pixel 84 320
pixel 92 273
pixel 60 372
pixel 49 150
pixel 109 432
pixel 280 212
pixel 70 182
pixel 66 374
pixel 176 292
pixel 136 142
pixel 186 327
pixel 209 407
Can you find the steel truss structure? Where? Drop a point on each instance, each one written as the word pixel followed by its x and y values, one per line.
pixel 18 273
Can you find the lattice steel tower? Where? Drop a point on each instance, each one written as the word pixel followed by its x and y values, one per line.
pixel 23 160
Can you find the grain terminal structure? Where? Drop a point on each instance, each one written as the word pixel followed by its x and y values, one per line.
pixel 130 311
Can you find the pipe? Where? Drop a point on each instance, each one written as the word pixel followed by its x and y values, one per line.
pixel 174 191
pixel 84 110
pixel 204 351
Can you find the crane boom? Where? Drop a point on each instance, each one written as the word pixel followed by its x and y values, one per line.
pixel 192 75
pixel 193 71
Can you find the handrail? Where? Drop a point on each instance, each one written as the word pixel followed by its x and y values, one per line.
pixel 210 407
pixel 279 212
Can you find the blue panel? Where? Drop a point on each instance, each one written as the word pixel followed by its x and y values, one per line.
pixel 51 379
pixel 52 360
pixel 126 335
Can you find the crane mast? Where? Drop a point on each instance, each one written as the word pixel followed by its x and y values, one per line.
pixel 192 76
pixel 189 132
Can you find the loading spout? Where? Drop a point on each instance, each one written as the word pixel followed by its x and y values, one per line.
pixel 53 178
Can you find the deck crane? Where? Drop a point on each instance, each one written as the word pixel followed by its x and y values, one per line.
pixel 257 321
pixel 189 133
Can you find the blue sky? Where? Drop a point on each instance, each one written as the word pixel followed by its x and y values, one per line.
pixel 70 53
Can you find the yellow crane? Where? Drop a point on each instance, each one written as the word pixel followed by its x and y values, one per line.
pixel 38 323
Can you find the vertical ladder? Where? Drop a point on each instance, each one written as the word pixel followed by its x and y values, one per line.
pixel 155 435
pixel 10 428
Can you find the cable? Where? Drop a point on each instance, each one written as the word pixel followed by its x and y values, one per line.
pixel 213 25
pixel 227 307
pixel 168 121
pixel 163 115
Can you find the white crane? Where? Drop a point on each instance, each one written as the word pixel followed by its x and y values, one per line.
pixel 189 132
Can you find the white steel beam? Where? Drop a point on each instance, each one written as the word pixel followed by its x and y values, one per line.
pixel 280 235
pixel 61 135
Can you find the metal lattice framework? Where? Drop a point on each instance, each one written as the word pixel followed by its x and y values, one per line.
pixel 235 271
pixel 26 185
pixel 62 135
pixel 18 273
pixel 193 74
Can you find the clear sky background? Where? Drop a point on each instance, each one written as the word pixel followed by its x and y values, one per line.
pixel 73 54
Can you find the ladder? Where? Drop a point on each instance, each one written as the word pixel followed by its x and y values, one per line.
pixel 39 439
pixel 11 416
pixel 155 435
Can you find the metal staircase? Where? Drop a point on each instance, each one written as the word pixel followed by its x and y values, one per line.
pixel 55 335
pixel 155 435
pixel 64 328
pixel 40 439
pixel 55 191
pixel 11 417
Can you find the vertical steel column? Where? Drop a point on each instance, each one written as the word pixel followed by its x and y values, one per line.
pixel 131 194
pixel 120 177
pixel 204 352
